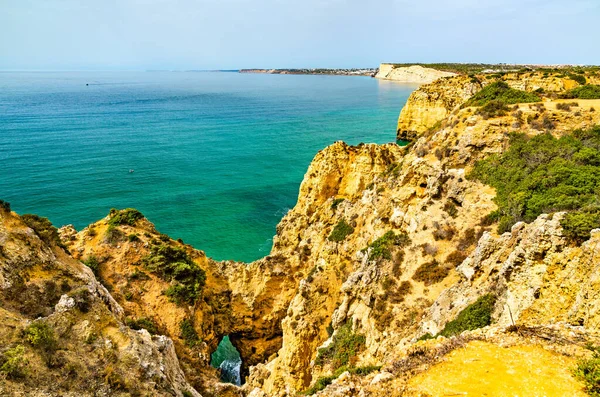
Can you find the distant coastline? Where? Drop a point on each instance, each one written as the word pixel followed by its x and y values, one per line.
pixel 337 72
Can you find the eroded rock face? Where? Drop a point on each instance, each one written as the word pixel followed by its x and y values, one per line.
pixel 411 74
pixel 87 346
pixel 432 103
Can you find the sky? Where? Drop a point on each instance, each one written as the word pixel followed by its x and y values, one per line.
pixel 234 34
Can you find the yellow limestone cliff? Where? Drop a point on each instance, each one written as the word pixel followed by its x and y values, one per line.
pixel 410 74
pixel 385 245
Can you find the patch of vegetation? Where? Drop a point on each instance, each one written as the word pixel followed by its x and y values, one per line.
pixel 588 372
pixel 431 273
pixel 381 248
pixel 41 336
pixel 82 299
pixel 566 106
pixel 93 263
pixel 578 78
pixel 113 235
pixel 501 93
pixel 128 216
pixel 43 228
pixel 544 175
pixel 337 202
pixel 188 333
pixel 12 362
pixel 455 258
pixel 325 381
pixel 343 348
pixel 144 322
pixel 139 275
pixel 492 109
pixel 450 208
pixel 474 316
pixel 426 336
pixel 133 237
pixel 340 231
pixel 5 205
pixel 174 265
pixel 588 91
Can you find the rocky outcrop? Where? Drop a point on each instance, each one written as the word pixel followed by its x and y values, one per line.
pixel 64 332
pixel 430 104
pixel 415 74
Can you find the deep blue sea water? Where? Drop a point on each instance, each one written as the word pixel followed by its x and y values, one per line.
pixel 217 157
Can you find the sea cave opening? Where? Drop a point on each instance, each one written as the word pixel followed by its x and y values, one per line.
pixel 228 360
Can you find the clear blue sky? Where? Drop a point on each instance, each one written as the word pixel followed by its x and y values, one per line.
pixel 231 34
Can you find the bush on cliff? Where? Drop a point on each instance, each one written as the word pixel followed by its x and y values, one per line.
pixel 340 231
pixel 474 316
pixel 174 265
pixel 43 228
pixel 325 381
pixel 5 205
pixel 501 93
pixel 341 351
pixel 381 248
pixel 543 174
pixel 588 91
pixel 128 216
pixel 143 322
pixel 12 362
pixel 188 333
pixel 588 371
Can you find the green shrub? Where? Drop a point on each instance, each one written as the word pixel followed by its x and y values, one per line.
pixel 500 91
pixel 325 381
pixel 474 316
pixel 381 248
pixel 43 228
pixel 426 336
pixel 492 109
pixel 133 237
pixel 188 333
pixel 41 336
pixel 174 265
pixel 578 78
pixel 337 202
pixel 319 385
pixel 577 225
pixel 143 322
pixel 344 347
pixel 128 216
pixel 93 263
pixel 5 205
pixel 12 362
pixel 544 175
pixel 113 235
pixel 340 231
pixel 588 91
pixel 139 275
pixel 588 372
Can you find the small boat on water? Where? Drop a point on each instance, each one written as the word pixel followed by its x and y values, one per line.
pixel 130 171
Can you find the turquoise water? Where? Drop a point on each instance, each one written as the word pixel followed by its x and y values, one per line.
pixel 217 157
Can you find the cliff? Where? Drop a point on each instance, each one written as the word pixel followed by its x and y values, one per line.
pixel 432 103
pixel 411 74
pixel 387 278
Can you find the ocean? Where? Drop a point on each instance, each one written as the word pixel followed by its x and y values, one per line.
pixel 215 159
